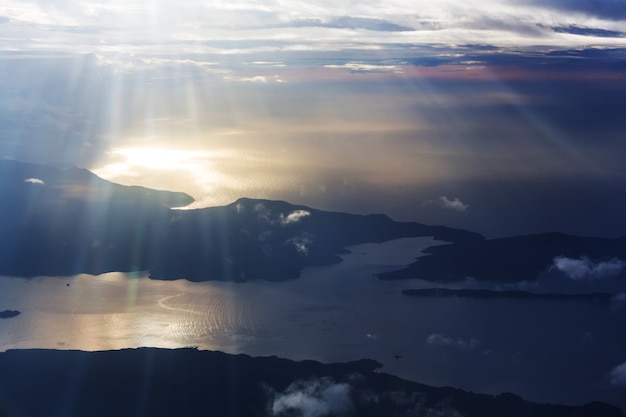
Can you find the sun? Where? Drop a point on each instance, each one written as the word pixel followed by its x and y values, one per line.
pixel 164 168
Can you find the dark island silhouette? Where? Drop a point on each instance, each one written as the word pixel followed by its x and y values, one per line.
pixel 512 259
pixel 187 382
pixel 483 293
pixel 60 222
pixel 7 314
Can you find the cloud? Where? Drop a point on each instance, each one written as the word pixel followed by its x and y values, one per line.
pixel 313 398
pixel 607 9
pixel 349 22
pixel 405 403
pixel 583 269
pixel 586 31
pixel 438 339
pixel 618 375
pixel 263 213
pixel 293 217
pixel 271 218
pixel 35 181
pixel 256 79
pixel 450 204
pixel 454 204
pixel 301 242
pixel 316 26
pixel 358 67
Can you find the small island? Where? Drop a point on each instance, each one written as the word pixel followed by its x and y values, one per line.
pixel 7 314
pixel 484 293
pixel 512 259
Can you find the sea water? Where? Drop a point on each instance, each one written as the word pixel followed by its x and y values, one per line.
pixel 544 350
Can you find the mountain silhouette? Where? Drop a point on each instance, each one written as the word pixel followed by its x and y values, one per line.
pixel 60 222
pixel 511 259
pixel 188 382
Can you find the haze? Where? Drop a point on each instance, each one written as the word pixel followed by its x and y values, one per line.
pixel 502 117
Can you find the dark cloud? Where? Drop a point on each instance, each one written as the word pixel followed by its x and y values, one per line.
pixel 563 60
pixel 607 9
pixel 585 31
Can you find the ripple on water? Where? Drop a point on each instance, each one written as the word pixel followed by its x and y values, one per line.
pixel 213 311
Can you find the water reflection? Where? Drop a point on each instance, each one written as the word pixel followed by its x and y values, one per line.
pixel 545 350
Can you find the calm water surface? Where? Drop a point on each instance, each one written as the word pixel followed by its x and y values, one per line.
pixel 551 351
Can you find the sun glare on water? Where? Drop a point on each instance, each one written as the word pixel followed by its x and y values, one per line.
pixel 168 167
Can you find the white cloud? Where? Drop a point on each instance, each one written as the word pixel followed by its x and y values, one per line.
pixel 454 204
pixel 301 243
pixel 293 217
pixel 618 375
pixel 314 398
pixel 256 79
pixel 583 269
pixel 438 339
pixel 360 67
pixel 95 26
pixel 269 63
pixel 35 181
pixel 450 204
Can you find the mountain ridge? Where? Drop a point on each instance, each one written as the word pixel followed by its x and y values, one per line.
pixel 509 259
pixel 162 382
pixel 71 221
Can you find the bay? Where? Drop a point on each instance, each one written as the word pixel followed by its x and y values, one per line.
pixel 544 350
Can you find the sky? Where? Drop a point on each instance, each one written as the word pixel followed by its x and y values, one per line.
pixel 504 117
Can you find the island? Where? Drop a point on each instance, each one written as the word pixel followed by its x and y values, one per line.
pixel 189 382
pixel 61 222
pixel 485 293
pixel 7 314
pixel 512 259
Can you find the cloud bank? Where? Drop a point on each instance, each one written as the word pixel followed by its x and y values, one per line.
pixel 325 397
